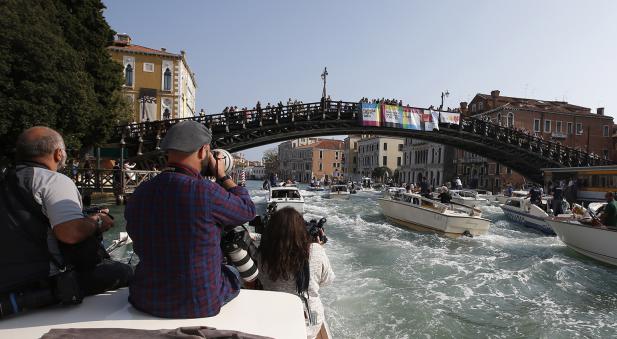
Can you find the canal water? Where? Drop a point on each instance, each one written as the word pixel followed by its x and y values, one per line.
pixel 395 283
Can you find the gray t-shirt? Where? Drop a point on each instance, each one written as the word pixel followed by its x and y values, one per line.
pixel 58 196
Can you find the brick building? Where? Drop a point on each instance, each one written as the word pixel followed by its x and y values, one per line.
pixel 303 159
pixel 571 125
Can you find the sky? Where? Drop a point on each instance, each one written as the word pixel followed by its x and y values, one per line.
pixel 243 51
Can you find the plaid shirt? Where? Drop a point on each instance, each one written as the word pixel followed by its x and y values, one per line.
pixel 175 221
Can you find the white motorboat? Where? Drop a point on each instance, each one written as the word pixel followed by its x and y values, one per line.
pixel 413 211
pixel 522 211
pixel 315 188
pixel 280 315
pixel 597 242
pixel 338 192
pixel 468 198
pixel 502 197
pixel 488 195
pixel 285 196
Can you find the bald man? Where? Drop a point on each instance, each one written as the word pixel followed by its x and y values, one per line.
pixel 46 227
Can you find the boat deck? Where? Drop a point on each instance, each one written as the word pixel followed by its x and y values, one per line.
pixel 266 313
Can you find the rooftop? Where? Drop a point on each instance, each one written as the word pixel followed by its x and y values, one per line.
pixel 534 104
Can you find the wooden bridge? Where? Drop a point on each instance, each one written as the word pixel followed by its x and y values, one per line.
pixel 240 130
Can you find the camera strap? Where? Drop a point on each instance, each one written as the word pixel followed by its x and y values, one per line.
pixel 302 282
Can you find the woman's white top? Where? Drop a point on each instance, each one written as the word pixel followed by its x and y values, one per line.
pixel 321 274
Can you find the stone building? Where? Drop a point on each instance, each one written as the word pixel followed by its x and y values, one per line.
pixel 558 121
pixel 158 84
pixel 379 151
pixel 303 159
pixel 428 159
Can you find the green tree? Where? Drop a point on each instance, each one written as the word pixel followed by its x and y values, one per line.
pixel 381 172
pixel 271 161
pixel 55 71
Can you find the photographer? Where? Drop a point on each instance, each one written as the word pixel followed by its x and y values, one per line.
pixel 290 261
pixel 176 220
pixel 48 247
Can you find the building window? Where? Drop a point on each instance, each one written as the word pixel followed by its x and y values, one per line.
pixel 605 131
pixel 128 75
pixel 473 107
pixel 569 128
pixel 320 154
pixel 385 146
pixel 605 153
pixel 536 125
pixel 579 128
pixel 148 67
pixel 480 105
pixel 558 126
pixel 499 119
pixel 336 155
pixel 547 126
pixel 398 161
pixel 510 119
pixel 385 160
pixel 167 80
pixel 320 167
pixel 400 147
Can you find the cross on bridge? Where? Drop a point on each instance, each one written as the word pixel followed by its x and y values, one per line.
pixel 240 130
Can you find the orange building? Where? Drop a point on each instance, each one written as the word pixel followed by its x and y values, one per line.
pixel 158 84
pixel 308 158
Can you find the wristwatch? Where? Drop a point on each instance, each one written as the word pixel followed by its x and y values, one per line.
pixel 221 180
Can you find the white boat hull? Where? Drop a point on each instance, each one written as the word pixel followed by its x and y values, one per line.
pixel 421 219
pixel 532 221
pixel 590 241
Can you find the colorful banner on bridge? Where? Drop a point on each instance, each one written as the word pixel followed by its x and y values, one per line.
pixel 370 115
pixel 450 118
pixel 392 116
pixel 431 120
pixel 412 118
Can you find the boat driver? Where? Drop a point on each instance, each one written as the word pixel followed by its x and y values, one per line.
pixel 44 230
pixel 609 215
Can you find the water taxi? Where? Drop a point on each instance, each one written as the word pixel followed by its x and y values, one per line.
pixel 338 192
pixel 285 196
pixel 587 237
pixel 468 198
pixel 413 211
pixel 522 211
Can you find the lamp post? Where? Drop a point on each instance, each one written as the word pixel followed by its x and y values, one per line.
pixel 324 75
pixel 443 95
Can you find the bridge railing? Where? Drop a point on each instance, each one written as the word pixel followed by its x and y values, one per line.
pixel 116 180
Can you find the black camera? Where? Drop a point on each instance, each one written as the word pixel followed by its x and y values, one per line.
pixel 313 227
pixel 240 250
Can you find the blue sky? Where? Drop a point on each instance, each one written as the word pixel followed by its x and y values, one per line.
pixel 244 51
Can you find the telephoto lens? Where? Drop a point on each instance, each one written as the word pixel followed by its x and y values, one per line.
pixel 226 157
pixel 235 244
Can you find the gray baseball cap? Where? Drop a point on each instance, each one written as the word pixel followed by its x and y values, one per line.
pixel 186 136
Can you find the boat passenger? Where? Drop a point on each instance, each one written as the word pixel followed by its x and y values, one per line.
pixel 609 215
pixel 509 190
pixel 425 189
pixel 535 196
pixel 176 222
pixel 290 262
pixel 45 230
pixel 558 203
pixel 444 196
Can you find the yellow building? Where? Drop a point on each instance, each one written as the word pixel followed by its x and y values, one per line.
pixel 159 84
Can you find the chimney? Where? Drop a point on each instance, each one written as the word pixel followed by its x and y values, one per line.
pixel 163 49
pixel 495 94
pixel 182 52
pixel 463 106
pixel 122 39
pixel 600 111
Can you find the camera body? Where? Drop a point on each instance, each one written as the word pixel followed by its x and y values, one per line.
pixel 226 157
pixel 240 250
pixel 315 230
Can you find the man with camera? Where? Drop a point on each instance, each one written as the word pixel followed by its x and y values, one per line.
pixel 176 221
pixel 49 248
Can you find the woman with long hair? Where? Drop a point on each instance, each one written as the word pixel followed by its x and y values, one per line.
pixel 289 261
